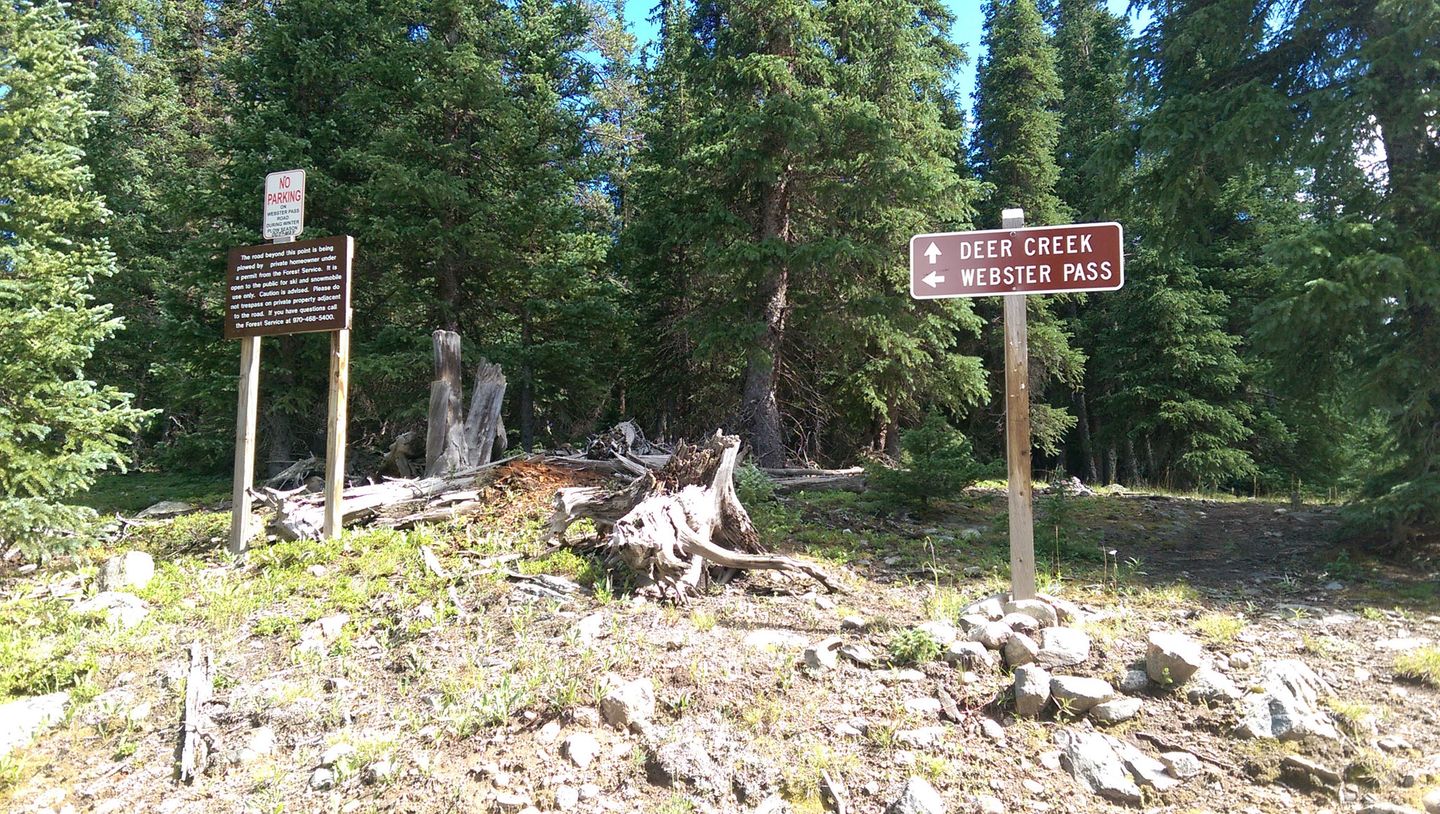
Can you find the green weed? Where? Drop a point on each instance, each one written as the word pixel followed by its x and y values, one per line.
pixel 1421 664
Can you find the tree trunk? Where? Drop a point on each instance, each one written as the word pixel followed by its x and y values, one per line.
pixel 1090 470
pixel 759 407
pixel 454 441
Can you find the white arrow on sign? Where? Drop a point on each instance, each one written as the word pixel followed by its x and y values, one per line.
pixel 932 253
pixel 932 278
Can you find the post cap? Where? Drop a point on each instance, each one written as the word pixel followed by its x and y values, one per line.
pixel 1012 218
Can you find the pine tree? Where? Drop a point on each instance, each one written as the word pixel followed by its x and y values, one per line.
pixel 57 428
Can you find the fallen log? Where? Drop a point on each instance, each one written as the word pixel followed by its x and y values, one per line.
pixel 843 483
pixel 674 527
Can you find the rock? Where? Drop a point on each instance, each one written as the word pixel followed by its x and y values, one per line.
pixel 590 628
pixel 824 654
pixel 125 610
pixel 991 634
pixel 629 703
pixel 1311 768
pixel 22 720
pixel 990 607
pixel 971 621
pixel 859 654
pixel 1066 612
pixel 898 676
pixel 336 753
pixel 1181 764
pixel 1091 759
pixel 1020 623
pixel 918 797
pixel 928 707
pixel 921 738
pixel 969 655
pixel 856 623
pixel 566 797
pixel 949 710
pixel 260 744
pixel 1387 808
pixel 686 763
pixel 766 639
pixel 942 632
pixel 165 508
pixel 1207 686
pixel 1242 660
pixel 1134 681
pixel 322 779
pixel 1042 612
pixel 378 772
pixel 1432 802
pixel 1146 770
pixel 589 791
pixel 133 569
pixel 991 728
pixel 1075 695
pixel 987 804
pixel 1032 690
pixel 1062 647
pixel 1115 710
pixel 317 636
pixel 1171 658
pixel 1393 743
pixel 1020 649
pixel 1288 706
pixel 549 733
pixel 580 749
pixel 511 802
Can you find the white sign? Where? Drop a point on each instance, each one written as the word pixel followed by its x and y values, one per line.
pixel 284 205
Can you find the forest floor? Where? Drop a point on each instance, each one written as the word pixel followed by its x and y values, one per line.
pixel 460 692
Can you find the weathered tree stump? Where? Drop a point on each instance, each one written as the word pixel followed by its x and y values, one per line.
pixel 674 527
pixel 455 442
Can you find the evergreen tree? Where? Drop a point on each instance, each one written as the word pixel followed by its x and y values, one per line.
pixel 57 428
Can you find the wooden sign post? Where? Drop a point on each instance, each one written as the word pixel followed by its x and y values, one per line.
pixel 288 287
pixel 1013 262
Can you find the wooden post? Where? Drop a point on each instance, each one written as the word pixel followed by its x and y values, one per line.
pixel 245 422
pixel 335 425
pixel 1017 435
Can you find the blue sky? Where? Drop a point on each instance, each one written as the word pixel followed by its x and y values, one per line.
pixel 967 30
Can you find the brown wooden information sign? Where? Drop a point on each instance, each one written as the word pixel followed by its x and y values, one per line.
pixel 1038 260
pixel 289 288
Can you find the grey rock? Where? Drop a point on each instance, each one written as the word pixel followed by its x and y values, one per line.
pixel 1134 681
pixel 133 569
pixel 774 804
pixel 589 791
pixel 566 797
pixel 765 639
pixel 928 707
pixel 685 763
pixel 991 634
pixel 1020 649
pixel 824 654
pixel 970 621
pixel 1062 647
pixel 1208 686
pixel 1432 802
pixel 1032 690
pixel 1311 768
pixel 336 753
pixel 317 636
pixel 1387 808
pixel 1020 623
pixel 1091 759
pixel 580 749
pixel 378 772
pixel 969 655
pixel 511 802
pixel 122 609
pixel 1171 658
pixel 632 702
pixel 1077 695
pixel 918 797
pixel 1394 743
pixel 1066 612
pixel 1115 710
pixel 1242 660
pixel 854 623
pixel 22 720
pixel 1042 612
pixel 165 508
pixel 1146 770
pixel 991 607
pixel 988 804
pixel 1181 764
pixel 590 628
pixel 1288 706
pixel 942 632
pixel 991 728
pixel 260 744
pixel 904 676
pixel 322 779
pixel 859 654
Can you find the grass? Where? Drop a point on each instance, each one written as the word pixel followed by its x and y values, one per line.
pixel 1421 664
pixel 1219 628
pixel 45 648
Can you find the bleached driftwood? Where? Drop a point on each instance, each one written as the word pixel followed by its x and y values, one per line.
pixel 672 527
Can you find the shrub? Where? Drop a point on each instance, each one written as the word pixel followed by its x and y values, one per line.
pixel 910 647
pixel 935 462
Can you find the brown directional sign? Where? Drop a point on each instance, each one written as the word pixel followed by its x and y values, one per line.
pixel 1037 260
pixel 289 288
